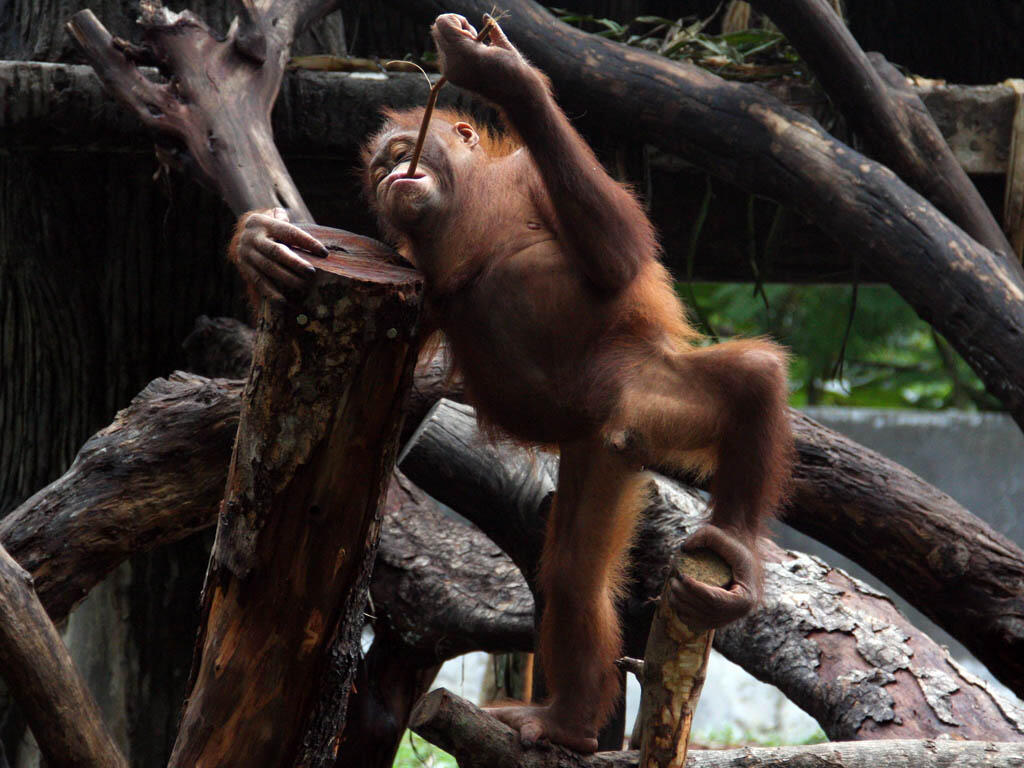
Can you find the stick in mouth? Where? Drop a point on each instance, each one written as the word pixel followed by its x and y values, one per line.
pixel 489 24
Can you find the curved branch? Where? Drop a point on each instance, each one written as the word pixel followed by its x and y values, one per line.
pixel 34 662
pixel 884 110
pixel 477 740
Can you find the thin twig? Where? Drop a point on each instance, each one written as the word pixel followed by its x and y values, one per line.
pixel 489 24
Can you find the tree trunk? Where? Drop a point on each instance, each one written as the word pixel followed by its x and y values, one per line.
pixel 35 664
pixel 477 740
pixel 298 532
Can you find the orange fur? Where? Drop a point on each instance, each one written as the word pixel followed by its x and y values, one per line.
pixel 543 274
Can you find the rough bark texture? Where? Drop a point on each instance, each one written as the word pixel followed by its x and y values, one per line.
pixel 882 679
pixel 44 682
pixel 675 667
pixel 963 575
pixel 298 532
pixel 218 101
pixel 152 477
pixel 477 740
pixel 970 294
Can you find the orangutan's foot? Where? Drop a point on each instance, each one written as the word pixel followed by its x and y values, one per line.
pixel 539 724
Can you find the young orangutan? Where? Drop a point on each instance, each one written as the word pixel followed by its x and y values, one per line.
pixel 542 272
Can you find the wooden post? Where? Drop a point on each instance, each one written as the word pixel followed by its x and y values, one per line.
pixel 675 666
pixel 298 530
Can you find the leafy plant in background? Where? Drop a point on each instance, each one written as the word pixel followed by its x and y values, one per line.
pixel 891 358
pixel 749 54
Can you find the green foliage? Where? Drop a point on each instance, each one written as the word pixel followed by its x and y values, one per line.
pixel 750 54
pixel 891 358
pixel 415 752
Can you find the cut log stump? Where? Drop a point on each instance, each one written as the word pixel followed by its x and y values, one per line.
pixel 298 530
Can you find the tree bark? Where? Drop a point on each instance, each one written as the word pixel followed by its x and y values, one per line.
pixel 299 527
pixel 883 110
pixel 440 589
pixel 154 476
pixel 35 664
pixel 477 740
pixel 971 295
pixel 952 566
pixel 675 666
pixel 889 680
pixel 219 99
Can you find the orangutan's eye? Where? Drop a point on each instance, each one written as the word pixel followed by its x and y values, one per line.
pixel 399 150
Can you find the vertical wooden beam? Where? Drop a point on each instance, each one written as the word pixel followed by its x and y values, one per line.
pixel 286 585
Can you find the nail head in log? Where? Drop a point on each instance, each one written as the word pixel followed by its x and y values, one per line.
pixel 675 665
pixel 298 530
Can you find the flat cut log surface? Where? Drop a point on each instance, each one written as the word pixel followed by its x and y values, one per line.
pixel 300 523
pixel 40 674
pixel 477 740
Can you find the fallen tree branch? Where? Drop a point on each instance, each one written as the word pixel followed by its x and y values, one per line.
pixel 477 740
pixel 884 678
pixel 42 678
pixel 945 561
pixel 882 109
pixel 971 295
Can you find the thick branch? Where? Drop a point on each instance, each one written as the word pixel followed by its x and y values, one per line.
pixel 948 563
pixel 888 679
pixel 971 295
pixel 154 476
pixel 61 712
pixel 882 109
pixel 477 740
pixel 217 105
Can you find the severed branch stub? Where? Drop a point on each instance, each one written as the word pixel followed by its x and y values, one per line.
pixel 675 665
pixel 289 572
